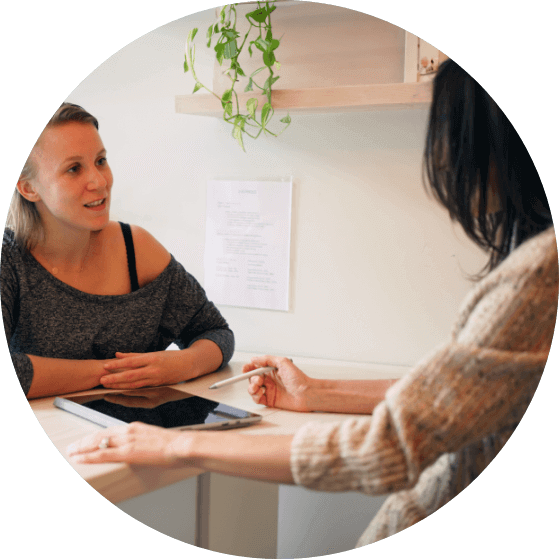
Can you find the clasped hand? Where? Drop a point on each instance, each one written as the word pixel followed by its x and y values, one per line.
pixel 136 370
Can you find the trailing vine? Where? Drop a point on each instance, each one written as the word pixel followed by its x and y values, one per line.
pixel 248 120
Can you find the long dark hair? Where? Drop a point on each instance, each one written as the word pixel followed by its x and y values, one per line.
pixel 474 159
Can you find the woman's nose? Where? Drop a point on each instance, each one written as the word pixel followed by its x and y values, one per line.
pixel 96 179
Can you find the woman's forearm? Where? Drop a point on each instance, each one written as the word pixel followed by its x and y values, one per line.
pixel 204 357
pixel 52 376
pixel 346 396
pixel 264 458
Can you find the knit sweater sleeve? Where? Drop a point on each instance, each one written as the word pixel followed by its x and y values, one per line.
pixel 191 316
pixel 478 383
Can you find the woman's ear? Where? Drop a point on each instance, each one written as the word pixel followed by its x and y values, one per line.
pixel 25 188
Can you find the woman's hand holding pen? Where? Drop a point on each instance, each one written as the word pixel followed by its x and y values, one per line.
pixel 285 388
pixel 289 388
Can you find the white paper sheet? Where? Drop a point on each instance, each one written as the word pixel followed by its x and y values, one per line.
pixel 248 235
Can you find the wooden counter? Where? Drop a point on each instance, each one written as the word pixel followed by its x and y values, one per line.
pixel 118 482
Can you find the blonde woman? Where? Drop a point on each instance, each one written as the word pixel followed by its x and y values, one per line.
pixel 87 301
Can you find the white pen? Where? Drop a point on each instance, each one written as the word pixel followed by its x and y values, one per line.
pixel 238 378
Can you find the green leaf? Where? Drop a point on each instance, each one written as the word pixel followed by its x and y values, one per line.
pixel 269 58
pixel 230 50
pixel 267 112
pixel 226 97
pixel 258 15
pixel 222 14
pixel 274 44
pixel 250 49
pixel 230 34
pixel 219 49
pixel 192 34
pixel 252 105
pixel 261 14
pixel 256 71
pixel 286 119
pixel 249 85
pixel 270 81
pixel 261 44
pixel 226 101
pixel 185 63
pixel 216 28
pixel 197 87
pixel 238 135
pixel 210 31
pixel 277 65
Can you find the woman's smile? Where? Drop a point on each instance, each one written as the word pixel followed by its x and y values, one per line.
pixel 98 205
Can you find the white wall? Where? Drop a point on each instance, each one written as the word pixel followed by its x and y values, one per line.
pixel 377 269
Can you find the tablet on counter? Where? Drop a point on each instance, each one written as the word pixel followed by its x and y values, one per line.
pixel 160 406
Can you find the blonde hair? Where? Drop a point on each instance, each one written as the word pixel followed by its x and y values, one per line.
pixel 23 216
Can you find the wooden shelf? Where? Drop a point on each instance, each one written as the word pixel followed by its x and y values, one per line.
pixel 323 100
pixel 319 77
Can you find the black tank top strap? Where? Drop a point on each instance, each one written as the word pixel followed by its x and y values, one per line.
pixel 130 255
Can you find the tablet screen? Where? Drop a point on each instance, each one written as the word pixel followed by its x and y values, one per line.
pixel 162 407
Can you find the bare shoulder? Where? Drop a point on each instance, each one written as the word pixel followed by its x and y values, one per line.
pixel 151 256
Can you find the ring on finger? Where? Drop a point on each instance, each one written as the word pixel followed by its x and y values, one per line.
pixel 105 443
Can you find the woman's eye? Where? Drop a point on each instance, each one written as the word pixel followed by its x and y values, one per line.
pixel 74 169
pixel 102 161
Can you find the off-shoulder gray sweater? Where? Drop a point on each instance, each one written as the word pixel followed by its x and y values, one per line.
pixel 46 317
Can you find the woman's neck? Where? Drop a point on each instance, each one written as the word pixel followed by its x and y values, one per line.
pixel 64 252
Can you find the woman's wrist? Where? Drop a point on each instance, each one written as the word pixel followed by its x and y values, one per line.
pixel 257 457
pixel 181 447
pixel 203 356
pixel 183 364
pixel 344 396
pixel 312 393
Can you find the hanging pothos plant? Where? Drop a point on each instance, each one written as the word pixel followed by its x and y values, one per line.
pixel 251 119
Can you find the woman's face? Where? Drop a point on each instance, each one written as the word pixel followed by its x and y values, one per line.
pixel 72 183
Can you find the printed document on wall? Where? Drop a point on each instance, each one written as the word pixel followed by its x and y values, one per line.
pixel 248 237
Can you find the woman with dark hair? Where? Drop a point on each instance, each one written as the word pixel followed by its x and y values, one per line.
pixel 479 169
pixel 89 301
pixel 433 432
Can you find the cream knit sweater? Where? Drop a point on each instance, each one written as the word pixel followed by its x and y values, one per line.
pixel 441 425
